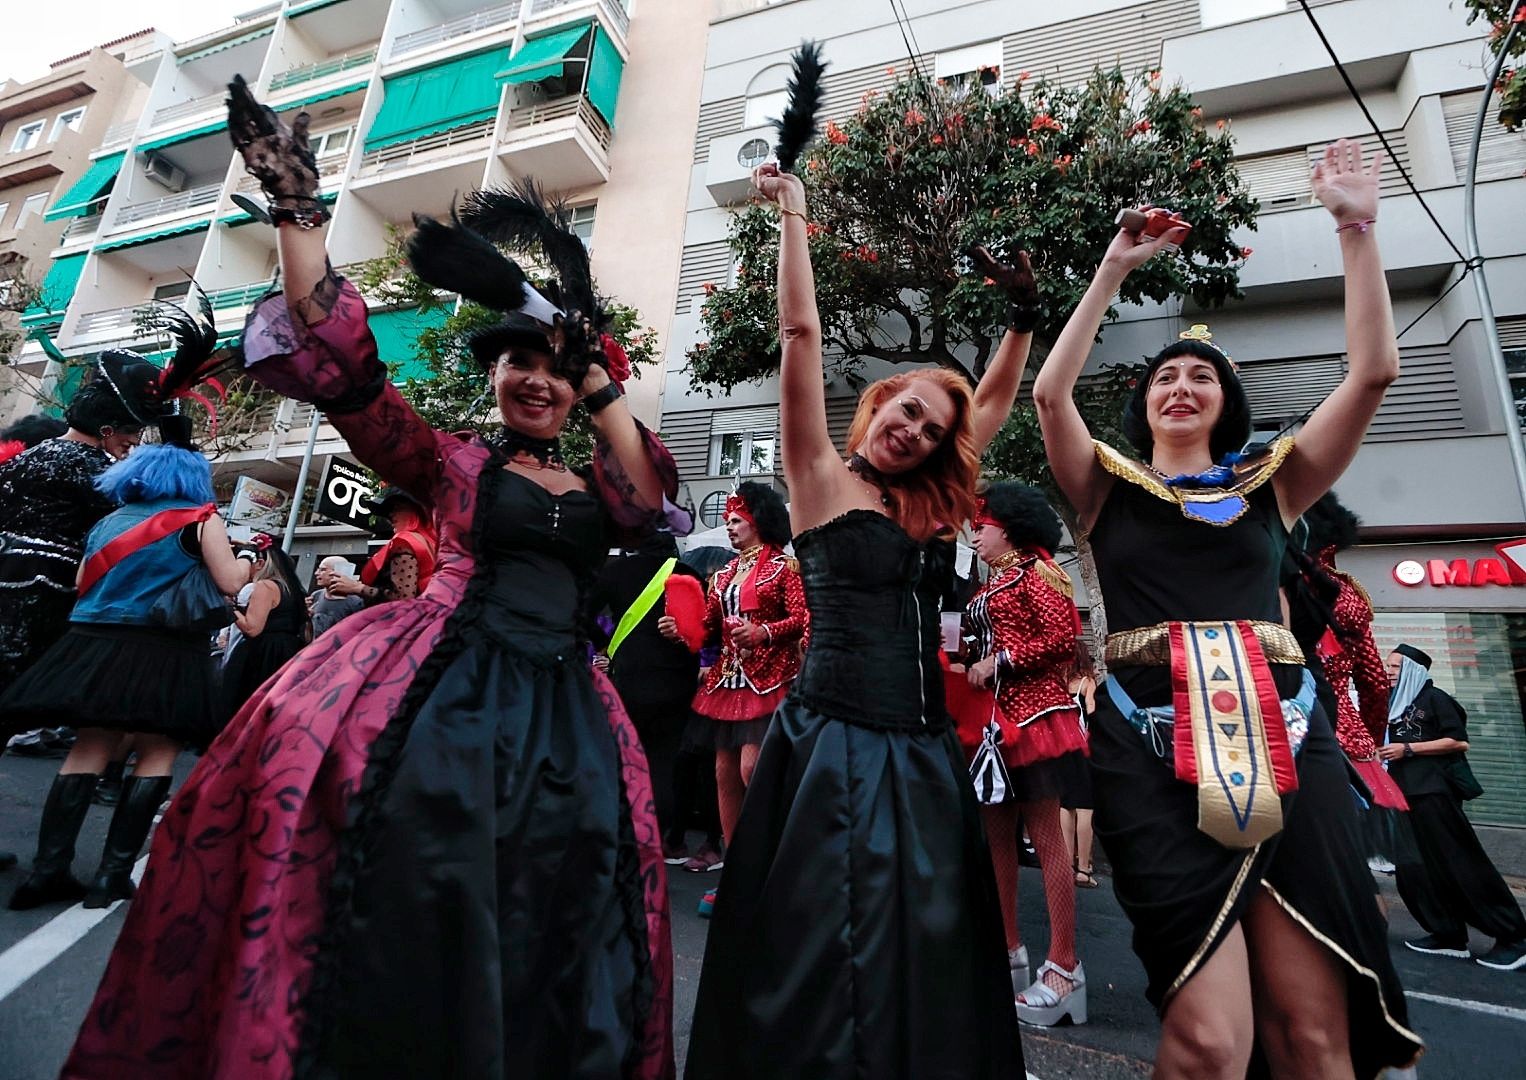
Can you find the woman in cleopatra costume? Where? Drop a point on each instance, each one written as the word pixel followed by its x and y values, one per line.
pixel 1024 730
pixel 1222 795
pixel 426 848
pixel 859 934
pixel 755 611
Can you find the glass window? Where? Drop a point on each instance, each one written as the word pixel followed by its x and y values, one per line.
pixel 173 291
pixel 582 223
pixel 330 142
pixel 712 510
pixel 5 208
pixel 726 454
pixel 67 121
pixel 761 108
pixel 28 135
pixel 974 66
pixel 742 453
pixel 753 153
pixel 1515 366
pixel 1479 657
pixel 34 204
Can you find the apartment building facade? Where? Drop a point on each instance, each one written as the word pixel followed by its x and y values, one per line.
pixel 1434 482
pixel 412 103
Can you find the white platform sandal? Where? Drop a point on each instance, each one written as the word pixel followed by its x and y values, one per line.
pixel 1017 963
pixel 1043 1007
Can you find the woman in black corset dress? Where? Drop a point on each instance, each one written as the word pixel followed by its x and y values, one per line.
pixel 859 933
pixel 271 629
pixel 1222 797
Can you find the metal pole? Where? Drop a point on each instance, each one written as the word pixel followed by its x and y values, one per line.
pixel 1476 262
pixel 307 467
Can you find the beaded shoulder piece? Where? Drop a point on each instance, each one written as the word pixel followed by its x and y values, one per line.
pixel 1218 506
pixel 1055 578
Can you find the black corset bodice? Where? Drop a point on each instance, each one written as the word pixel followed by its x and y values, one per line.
pixel 541 551
pixel 874 597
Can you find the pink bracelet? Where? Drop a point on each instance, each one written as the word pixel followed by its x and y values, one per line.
pixel 1359 226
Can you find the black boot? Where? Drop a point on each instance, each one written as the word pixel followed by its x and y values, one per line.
pixel 141 796
pixel 109 790
pixel 62 815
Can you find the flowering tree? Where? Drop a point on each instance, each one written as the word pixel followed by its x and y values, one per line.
pixel 900 191
pixel 1511 90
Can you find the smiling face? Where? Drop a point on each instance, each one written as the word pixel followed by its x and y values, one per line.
pixel 532 400
pixel 742 533
pixel 990 543
pixel 908 427
pixel 1184 400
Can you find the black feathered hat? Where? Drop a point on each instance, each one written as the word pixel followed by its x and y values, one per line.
pixel 1233 427
pixel 389 496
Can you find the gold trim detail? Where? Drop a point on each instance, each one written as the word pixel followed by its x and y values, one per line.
pixel 1377 983
pixel 1150 646
pixel 1007 559
pixel 1213 930
pixel 1056 579
pixel 1249 475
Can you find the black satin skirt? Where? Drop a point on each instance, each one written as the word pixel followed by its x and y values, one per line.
pixel 1184 892
pixel 857 932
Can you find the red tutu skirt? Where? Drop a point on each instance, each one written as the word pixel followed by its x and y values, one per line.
pixel 1385 792
pixel 1049 735
pixel 723 703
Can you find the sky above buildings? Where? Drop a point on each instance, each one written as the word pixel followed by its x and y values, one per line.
pixel 59 28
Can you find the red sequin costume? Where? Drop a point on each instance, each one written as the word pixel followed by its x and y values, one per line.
pixel 1351 657
pixel 748 684
pixel 1026 616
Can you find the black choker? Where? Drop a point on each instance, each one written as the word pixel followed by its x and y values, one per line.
pixel 859 466
pixel 546 451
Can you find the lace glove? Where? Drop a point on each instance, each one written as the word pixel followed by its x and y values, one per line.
pixel 278 156
pixel 1025 307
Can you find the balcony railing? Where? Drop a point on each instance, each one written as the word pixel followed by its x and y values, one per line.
pixel 194 107
pixel 81 227
pixel 615 9
pixel 99 322
pixel 118 134
pixel 179 203
pixel 466 24
pixel 322 68
pixel 527 117
pixel 329 166
pixel 404 154
pixel 239 296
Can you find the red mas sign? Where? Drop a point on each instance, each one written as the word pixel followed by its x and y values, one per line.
pixel 1509 569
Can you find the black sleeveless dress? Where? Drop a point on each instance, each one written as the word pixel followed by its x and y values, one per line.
pixel 858 933
pixel 1182 890
pixel 255 659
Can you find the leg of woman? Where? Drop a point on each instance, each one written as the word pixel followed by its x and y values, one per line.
pixel 93 748
pixel 747 762
pixel 729 788
pixel 1068 834
pixel 1207 1030
pixel 1043 820
pixel 1084 838
pixel 141 795
pixel 1300 996
pixel 1001 836
pixel 62 815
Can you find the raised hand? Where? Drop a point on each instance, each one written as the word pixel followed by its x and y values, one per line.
pixel 782 188
pixel 1345 184
pixel 1131 250
pixel 1017 281
pixel 276 155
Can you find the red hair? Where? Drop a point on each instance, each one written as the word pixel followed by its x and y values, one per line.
pixel 937 496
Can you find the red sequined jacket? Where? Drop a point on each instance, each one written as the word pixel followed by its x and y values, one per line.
pixel 1350 656
pixel 1026 617
pixel 781 608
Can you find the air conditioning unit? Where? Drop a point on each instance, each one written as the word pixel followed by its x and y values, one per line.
pixel 164 172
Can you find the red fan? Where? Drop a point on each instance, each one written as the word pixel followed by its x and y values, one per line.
pixel 685 600
pixel 10 449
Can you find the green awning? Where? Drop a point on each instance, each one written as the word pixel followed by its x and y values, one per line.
pixel 311 5
pixel 542 57
pixel 397 336
pixel 435 99
pixel 604 72
pixel 56 291
pixel 184 136
pixel 157 234
pixel 231 43
pixel 77 201
pixel 70 375
pixel 322 95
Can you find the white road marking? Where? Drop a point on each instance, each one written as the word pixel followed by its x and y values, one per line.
pixel 1488 1008
pixel 52 939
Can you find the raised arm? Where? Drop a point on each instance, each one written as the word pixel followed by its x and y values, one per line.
pixel 1067 442
pixel 997 391
pixel 1348 187
pixel 819 485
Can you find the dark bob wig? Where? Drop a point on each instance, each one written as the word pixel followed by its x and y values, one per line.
pixel 767 509
pixel 1330 525
pixel 1233 428
pixel 1025 515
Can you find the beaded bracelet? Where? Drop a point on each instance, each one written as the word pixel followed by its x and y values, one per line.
pixel 1359 226
pixel 794 213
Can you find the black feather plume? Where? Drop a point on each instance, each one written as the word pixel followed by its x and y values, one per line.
pixel 523 218
pixel 196 354
pixel 797 127
pixel 456 258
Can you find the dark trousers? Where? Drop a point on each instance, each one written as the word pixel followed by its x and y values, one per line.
pixel 660 726
pixel 696 805
pixel 1453 885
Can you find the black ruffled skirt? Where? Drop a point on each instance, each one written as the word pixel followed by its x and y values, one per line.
pixel 122 678
pixel 857 933
pixel 252 661
pixel 1184 892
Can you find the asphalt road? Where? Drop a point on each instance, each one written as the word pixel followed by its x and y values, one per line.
pixel 1473 1019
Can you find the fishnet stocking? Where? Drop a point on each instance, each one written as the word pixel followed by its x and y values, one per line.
pixel 733 770
pixel 1043 822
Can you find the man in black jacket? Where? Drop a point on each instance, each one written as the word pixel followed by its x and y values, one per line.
pixel 1453 885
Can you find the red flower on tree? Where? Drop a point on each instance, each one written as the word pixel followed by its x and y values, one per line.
pixel 836 135
pixel 913 118
pixel 1245 252
pixel 937 140
pixel 708 287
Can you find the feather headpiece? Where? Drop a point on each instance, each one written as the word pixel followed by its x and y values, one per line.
pixel 797 127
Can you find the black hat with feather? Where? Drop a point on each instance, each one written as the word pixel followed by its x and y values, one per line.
pixel 570 324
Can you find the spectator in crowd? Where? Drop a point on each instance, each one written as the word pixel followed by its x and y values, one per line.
pixel 271 626
pixel 402 567
pixel 325 606
pixel 1452 885
pixel 27 432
